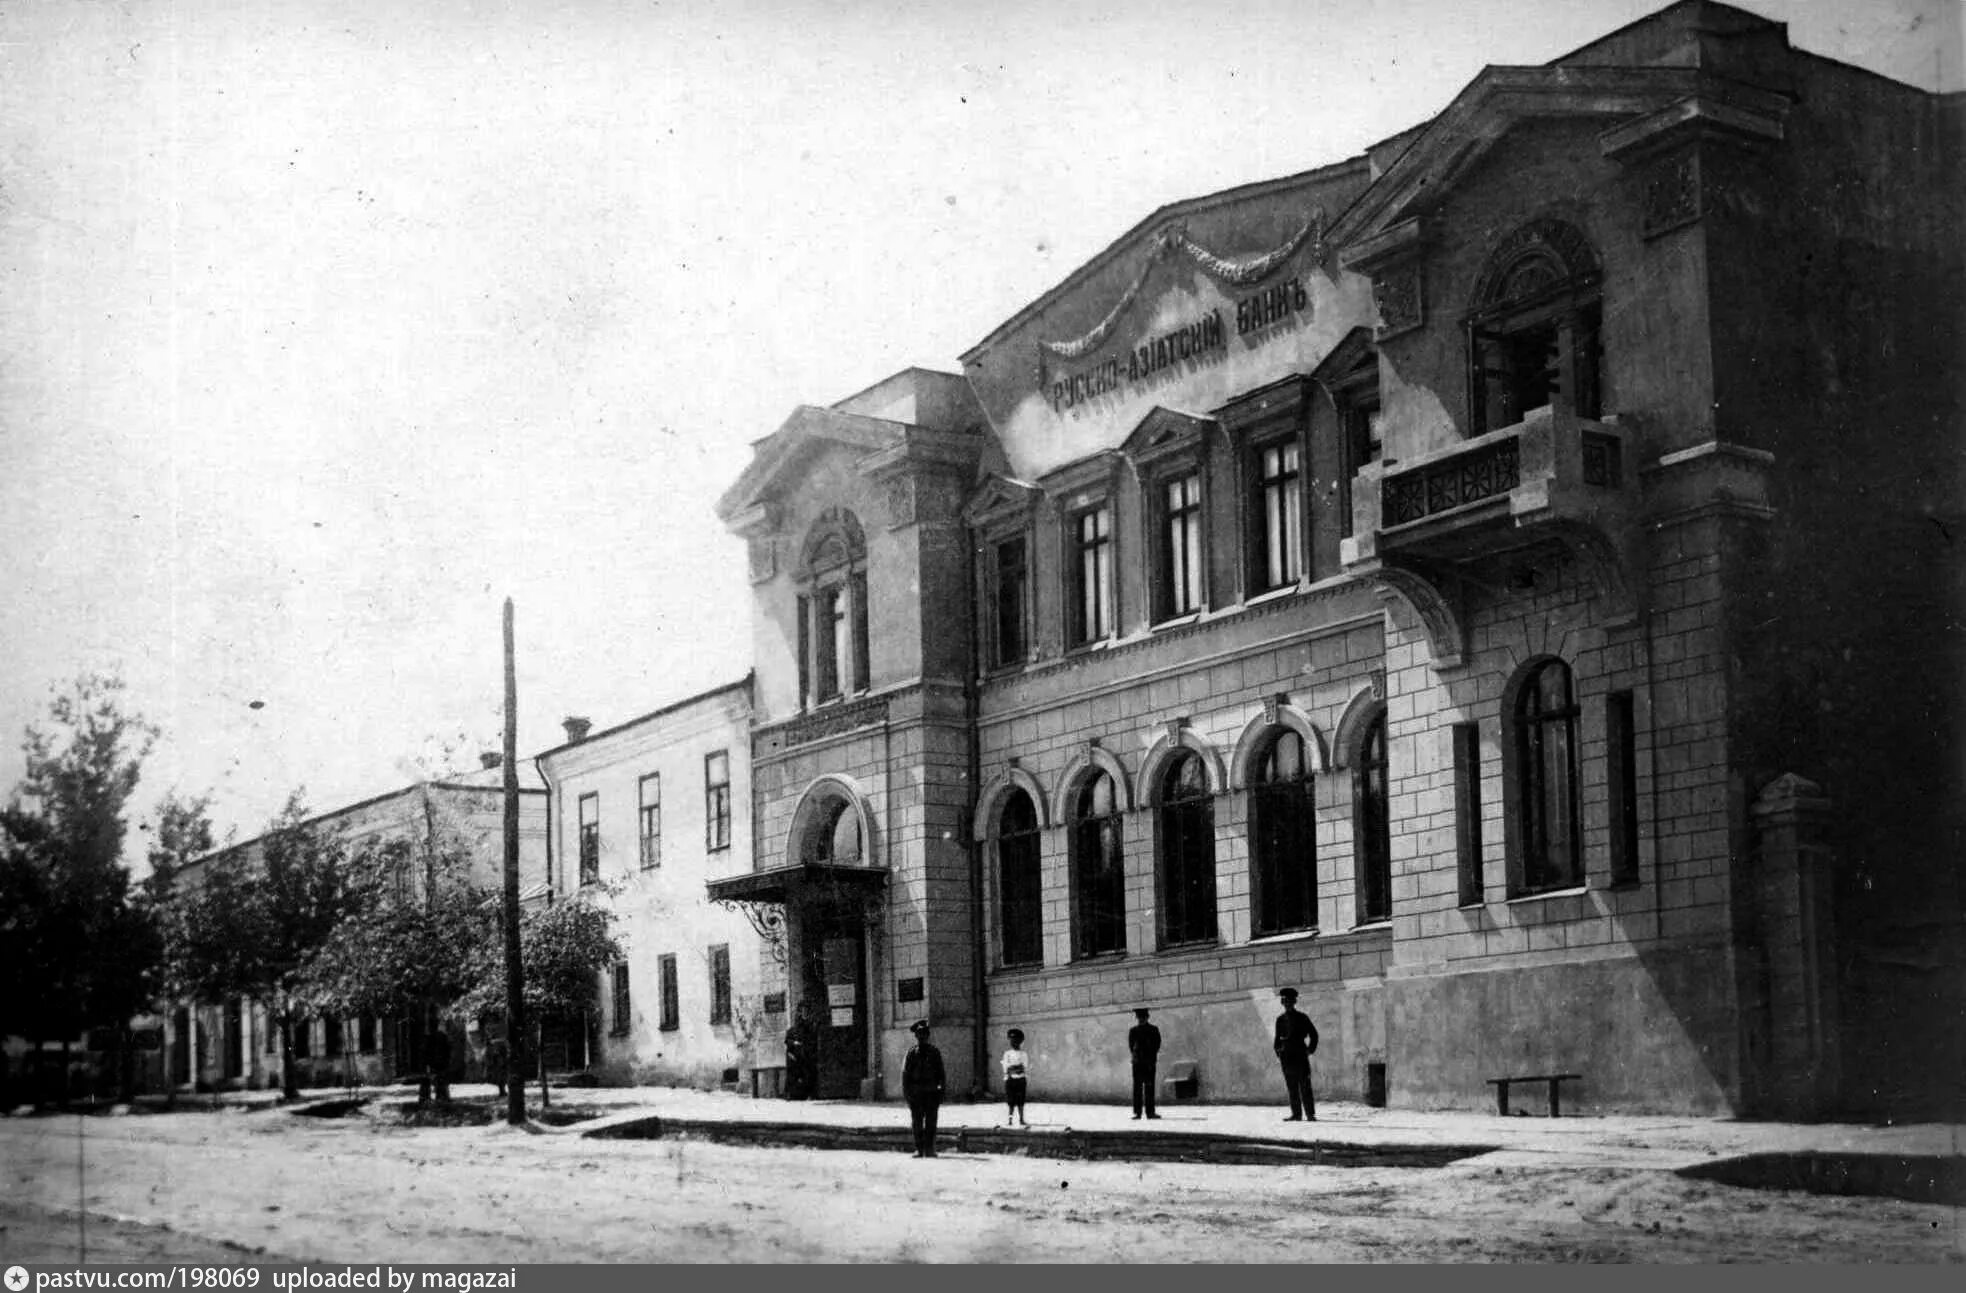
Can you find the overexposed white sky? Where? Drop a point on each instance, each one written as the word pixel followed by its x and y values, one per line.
pixel 325 325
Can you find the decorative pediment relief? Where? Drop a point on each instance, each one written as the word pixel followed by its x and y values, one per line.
pixel 1083 480
pixel 1166 431
pixel 1001 500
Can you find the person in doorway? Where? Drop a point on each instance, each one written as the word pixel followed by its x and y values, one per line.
pixel 921 1083
pixel 801 1054
pixel 1016 1065
pixel 1296 1041
pixel 1143 1044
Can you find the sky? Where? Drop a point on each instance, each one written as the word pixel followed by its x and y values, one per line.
pixel 326 327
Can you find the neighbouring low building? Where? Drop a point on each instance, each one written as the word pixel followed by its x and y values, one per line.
pixel 645 815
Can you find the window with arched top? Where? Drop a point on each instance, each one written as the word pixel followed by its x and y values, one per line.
pixel 1547 852
pixel 832 835
pixel 1185 809
pixel 832 610
pixel 1020 909
pixel 1533 329
pixel 1371 824
pixel 1098 869
pixel 1283 836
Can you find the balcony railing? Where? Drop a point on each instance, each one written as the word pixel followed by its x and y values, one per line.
pixel 1471 498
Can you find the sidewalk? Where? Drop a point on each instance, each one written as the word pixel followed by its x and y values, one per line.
pixel 1629 1141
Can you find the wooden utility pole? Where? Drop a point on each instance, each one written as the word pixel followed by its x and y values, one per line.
pixel 515 988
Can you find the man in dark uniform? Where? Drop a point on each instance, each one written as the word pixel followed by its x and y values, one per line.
pixel 801 1055
pixel 1296 1040
pixel 1143 1043
pixel 921 1083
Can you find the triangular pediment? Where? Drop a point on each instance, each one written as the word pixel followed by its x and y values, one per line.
pixel 809 431
pixel 1482 115
pixel 999 497
pixel 1165 430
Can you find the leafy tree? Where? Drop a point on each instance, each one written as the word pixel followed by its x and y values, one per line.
pixel 563 949
pixel 88 953
pixel 251 926
pixel 421 946
pixel 182 834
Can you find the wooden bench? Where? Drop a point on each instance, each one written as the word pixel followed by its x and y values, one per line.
pixel 1556 1081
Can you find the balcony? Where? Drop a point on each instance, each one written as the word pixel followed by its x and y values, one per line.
pixel 1424 527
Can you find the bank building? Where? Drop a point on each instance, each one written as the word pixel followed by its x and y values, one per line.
pixel 1496 584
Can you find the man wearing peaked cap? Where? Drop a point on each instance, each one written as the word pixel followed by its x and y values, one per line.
pixel 921 1082
pixel 1143 1044
pixel 1296 1040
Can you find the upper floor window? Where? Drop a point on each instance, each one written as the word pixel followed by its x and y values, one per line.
pixel 1020 907
pixel 1279 514
pixel 832 610
pixel 1543 781
pixel 1533 330
pixel 590 839
pixel 651 819
pixel 1098 872
pixel 1283 837
pixel 1178 578
pixel 1186 811
pixel 1009 624
pixel 716 800
pixel 1371 824
pixel 1090 583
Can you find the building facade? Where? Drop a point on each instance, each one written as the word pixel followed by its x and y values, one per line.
pixel 1454 582
pixel 645 815
pixel 235 1044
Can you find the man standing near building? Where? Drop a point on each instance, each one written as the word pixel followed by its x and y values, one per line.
pixel 1295 1043
pixel 1143 1043
pixel 921 1083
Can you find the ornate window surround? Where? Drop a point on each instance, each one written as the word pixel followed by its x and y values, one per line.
pixel 832 563
pixel 1074 490
pixel 1255 421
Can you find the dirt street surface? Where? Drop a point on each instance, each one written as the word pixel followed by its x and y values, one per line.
pixel 267 1185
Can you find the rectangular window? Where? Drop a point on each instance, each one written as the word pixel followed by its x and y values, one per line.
pixel 620 1018
pixel 1091 594
pixel 1181 551
pixel 720 984
pixel 1007 583
pixel 331 1046
pixel 716 801
pixel 303 1038
pixel 1467 810
pixel 651 820
pixel 1621 745
pixel 590 839
pixel 672 1011
pixel 1280 513
pixel 365 1034
pixel 272 1034
pixel 829 607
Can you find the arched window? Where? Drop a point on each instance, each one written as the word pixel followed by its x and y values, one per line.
pixel 1533 329
pixel 1187 852
pixel 1371 828
pixel 833 835
pixel 1019 907
pixel 1283 836
pixel 832 610
pixel 1098 875
pixel 1544 763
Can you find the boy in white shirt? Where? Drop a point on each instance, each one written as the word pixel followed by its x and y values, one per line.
pixel 1015 1064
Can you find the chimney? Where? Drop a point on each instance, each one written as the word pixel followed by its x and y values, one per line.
pixel 577 728
pixel 490 759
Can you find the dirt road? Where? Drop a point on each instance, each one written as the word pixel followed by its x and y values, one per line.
pixel 239 1186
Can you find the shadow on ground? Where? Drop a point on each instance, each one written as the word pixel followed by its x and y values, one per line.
pixel 1916 1179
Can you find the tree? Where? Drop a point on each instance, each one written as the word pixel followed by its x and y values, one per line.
pixel 422 946
pixel 182 835
pixel 563 949
pixel 89 952
pixel 246 926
